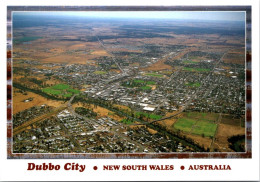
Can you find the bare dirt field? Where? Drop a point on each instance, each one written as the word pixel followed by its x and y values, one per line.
pixel 152 131
pixel 100 53
pixel 159 65
pixel 102 112
pixel 236 56
pixel 224 132
pixel 122 107
pixel 202 141
pixel 19 105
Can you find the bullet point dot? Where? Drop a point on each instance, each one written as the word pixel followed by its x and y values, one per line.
pixel 95 167
pixel 182 167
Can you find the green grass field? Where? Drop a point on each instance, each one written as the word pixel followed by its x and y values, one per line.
pixel 51 91
pixel 198 123
pixel 26 39
pixel 188 62
pixel 61 90
pixel 206 128
pixel 126 121
pixel 184 124
pixel 100 72
pixel 150 83
pixel 196 84
pixel 73 91
pixel 60 87
pixel 212 117
pixel 151 116
pixel 154 74
pixel 139 81
pixel 146 88
pixel 142 85
pixel 67 95
pixel 202 69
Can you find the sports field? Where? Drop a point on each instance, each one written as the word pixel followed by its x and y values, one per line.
pixel 197 123
pixel 184 124
pixel 204 128
pixel 62 90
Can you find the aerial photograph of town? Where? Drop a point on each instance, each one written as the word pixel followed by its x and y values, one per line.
pixel 128 82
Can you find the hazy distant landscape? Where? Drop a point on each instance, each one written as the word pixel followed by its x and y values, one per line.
pixel 85 84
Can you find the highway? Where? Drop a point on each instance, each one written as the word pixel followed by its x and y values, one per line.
pixel 103 46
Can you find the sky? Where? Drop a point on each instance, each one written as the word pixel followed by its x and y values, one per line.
pixel 198 15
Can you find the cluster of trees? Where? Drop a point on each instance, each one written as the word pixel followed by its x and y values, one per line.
pixel 237 143
pixel 85 112
pixel 39 92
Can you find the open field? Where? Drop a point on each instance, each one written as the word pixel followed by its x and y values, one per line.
pixel 26 39
pixel 150 83
pixel 224 132
pixel 169 122
pixel 227 119
pixel 202 141
pixel 20 105
pixel 122 107
pixel 203 116
pixel 184 124
pixel 100 72
pixel 236 56
pixel 151 116
pixel 197 123
pixel 61 90
pixel 101 112
pixel 159 65
pixel 51 91
pixel 139 81
pixel 154 74
pixel 204 128
pixel 189 62
pixel 126 121
pixel 146 88
pixel 100 53
pixel 152 131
